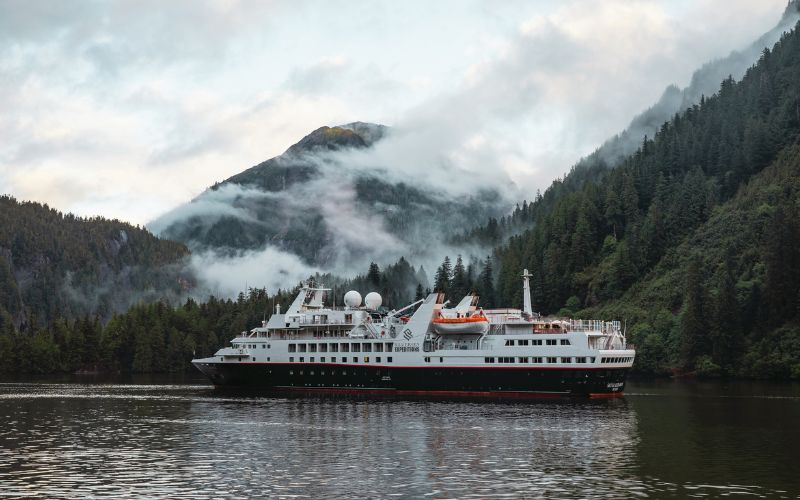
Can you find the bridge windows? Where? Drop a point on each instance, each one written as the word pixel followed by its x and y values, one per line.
pixel 367 347
pixel 565 342
pixel 536 342
pixel 355 348
pixel 389 346
pixel 522 342
pixel 551 341
pixel 378 347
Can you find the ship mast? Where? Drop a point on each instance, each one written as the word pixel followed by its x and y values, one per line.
pixel 526 297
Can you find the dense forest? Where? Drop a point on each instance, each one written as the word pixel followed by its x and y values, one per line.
pixel 693 239
pixel 160 337
pixel 154 337
pixel 58 265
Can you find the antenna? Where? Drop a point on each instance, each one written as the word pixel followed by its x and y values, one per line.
pixel 526 289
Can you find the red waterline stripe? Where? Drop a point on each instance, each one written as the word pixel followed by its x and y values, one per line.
pixel 606 395
pixel 396 392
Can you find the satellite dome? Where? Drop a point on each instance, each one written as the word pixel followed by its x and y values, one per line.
pixel 373 300
pixel 352 299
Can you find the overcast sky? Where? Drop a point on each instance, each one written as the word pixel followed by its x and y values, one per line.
pixel 127 109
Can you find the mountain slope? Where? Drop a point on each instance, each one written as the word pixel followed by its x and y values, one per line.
pixel 704 82
pixel 58 265
pixel 601 237
pixel 311 202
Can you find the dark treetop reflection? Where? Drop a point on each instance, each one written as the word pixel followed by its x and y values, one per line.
pixel 663 439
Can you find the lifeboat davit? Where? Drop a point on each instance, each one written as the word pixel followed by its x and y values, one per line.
pixel 473 325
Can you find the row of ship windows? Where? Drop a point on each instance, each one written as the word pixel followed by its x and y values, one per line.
pixel 524 342
pixel 343 347
pixel 322 359
pixel 536 359
pixel 616 360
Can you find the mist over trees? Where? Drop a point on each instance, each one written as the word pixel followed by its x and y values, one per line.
pixel 693 238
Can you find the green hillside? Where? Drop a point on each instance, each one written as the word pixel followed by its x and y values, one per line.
pixel 693 239
pixel 58 265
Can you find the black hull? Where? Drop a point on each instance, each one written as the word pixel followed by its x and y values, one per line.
pixel 513 383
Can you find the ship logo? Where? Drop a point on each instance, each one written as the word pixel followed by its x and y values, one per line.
pixel 407 334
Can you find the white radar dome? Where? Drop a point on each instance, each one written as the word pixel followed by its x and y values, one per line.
pixel 352 299
pixel 373 300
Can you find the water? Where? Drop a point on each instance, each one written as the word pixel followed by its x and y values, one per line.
pixel 664 439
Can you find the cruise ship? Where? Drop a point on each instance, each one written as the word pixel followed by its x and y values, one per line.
pixel 424 349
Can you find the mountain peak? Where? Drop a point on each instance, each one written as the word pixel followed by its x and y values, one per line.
pixel 351 135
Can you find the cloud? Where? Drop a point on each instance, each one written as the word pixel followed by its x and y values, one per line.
pixel 226 276
pixel 128 109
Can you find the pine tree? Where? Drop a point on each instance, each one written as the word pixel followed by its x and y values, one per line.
pixel 694 329
pixel 374 275
pixel 726 328
pixel 459 285
pixel 486 284
pixel 444 274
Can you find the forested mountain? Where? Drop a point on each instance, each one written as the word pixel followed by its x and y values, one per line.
pixel 310 203
pixel 54 264
pixel 693 238
pixel 704 82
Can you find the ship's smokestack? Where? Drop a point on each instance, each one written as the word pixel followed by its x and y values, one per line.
pixel 526 297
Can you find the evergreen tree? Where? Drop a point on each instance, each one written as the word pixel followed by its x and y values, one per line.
pixel 443 277
pixel 726 327
pixel 459 284
pixel 486 284
pixel 694 328
pixel 374 275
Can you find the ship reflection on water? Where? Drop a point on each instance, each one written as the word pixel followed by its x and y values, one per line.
pixel 97 440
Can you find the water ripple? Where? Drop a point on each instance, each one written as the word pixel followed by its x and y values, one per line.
pixel 113 440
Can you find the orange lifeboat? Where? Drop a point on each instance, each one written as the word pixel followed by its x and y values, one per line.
pixel 473 325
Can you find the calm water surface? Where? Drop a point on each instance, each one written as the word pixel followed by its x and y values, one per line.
pixel 664 439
